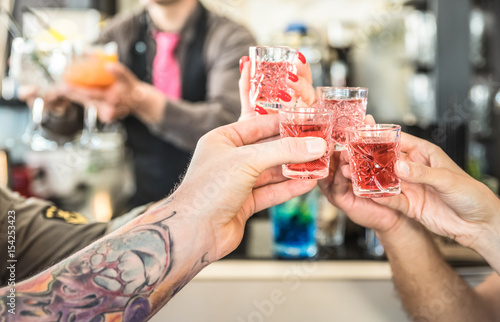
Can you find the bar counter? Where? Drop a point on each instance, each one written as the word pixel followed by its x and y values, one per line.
pixel 342 284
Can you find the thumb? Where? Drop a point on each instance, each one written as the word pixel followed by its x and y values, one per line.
pixel 369 119
pixel 287 150
pixel 439 178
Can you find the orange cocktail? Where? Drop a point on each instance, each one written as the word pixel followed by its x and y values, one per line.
pixel 89 69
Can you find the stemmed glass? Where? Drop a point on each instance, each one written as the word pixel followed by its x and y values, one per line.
pixel 88 70
pixel 40 67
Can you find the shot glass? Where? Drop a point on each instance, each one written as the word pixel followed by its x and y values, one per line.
pixel 307 122
pixel 373 152
pixel 294 225
pixel 349 109
pixel 269 67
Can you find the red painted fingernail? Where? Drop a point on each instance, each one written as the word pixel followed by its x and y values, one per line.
pixel 292 77
pixel 260 110
pixel 243 60
pixel 301 57
pixel 284 96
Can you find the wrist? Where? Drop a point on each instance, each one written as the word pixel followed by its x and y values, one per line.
pixel 487 230
pixel 196 233
pixel 404 231
pixel 209 220
pixel 488 246
pixel 487 243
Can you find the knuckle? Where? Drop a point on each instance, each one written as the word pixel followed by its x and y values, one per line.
pixel 288 145
pixel 419 171
pixel 205 138
pixel 434 149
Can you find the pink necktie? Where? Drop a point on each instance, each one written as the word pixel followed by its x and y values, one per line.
pixel 166 69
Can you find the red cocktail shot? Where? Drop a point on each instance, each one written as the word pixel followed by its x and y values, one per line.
pixel 373 152
pixel 267 81
pixel 269 67
pixel 347 113
pixel 307 122
pixel 349 109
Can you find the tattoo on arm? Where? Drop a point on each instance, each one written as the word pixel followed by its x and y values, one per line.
pixel 198 266
pixel 167 201
pixel 116 275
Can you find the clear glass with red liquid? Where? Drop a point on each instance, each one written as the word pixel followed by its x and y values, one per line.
pixel 349 109
pixel 269 67
pixel 373 152
pixel 307 122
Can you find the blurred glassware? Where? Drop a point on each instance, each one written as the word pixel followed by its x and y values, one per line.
pixel 338 73
pixel 341 34
pixel 476 161
pixel 421 37
pixel 477 38
pixel 331 224
pixel 308 41
pixel 372 243
pixel 294 225
pixel 422 101
pixel 480 118
pixel 88 70
pixel 37 68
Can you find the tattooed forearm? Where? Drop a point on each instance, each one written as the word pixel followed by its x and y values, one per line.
pixel 197 267
pixel 167 201
pixel 115 275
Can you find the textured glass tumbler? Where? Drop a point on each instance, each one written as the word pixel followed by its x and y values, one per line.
pixel 269 67
pixel 349 109
pixel 307 122
pixel 373 152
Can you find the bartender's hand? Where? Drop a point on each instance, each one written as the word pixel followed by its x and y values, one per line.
pixel 337 187
pixel 231 176
pixel 301 84
pixel 54 102
pixel 445 199
pixel 127 95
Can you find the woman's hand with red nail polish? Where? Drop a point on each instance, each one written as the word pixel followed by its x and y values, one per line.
pixel 247 109
pixel 294 78
pixel 300 82
pixel 301 57
pixel 260 110
pixel 243 60
pixel 304 92
pixel 284 96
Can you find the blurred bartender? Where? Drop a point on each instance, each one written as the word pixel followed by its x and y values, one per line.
pixel 177 80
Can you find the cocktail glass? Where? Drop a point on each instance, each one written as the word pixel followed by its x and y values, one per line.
pixel 269 67
pixel 38 67
pixel 88 70
pixel 294 227
pixel 307 122
pixel 349 107
pixel 373 152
